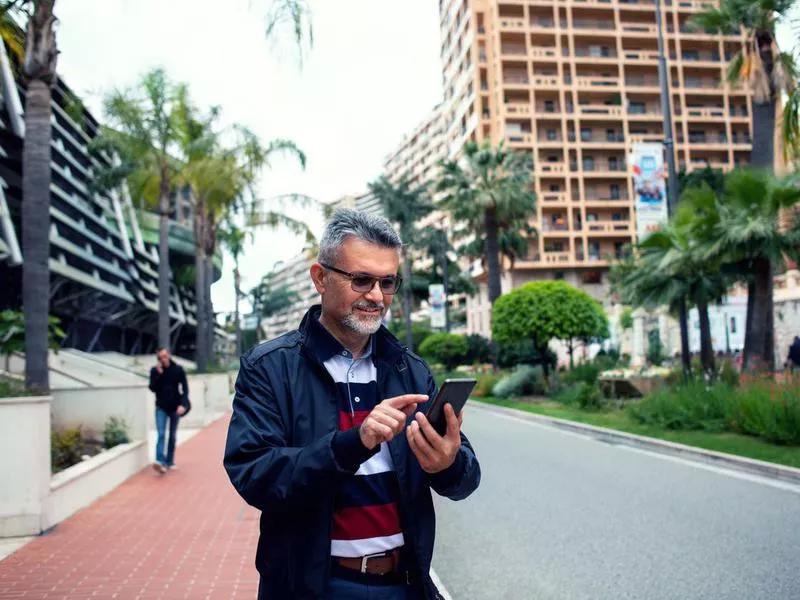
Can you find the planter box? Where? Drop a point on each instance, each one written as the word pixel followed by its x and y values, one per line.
pixel 78 486
pixel 630 387
pixel 25 451
pixel 90 408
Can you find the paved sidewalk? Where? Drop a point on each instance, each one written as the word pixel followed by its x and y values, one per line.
pixel 185 534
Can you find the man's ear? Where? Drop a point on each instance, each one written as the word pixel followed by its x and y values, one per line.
pixel 318 277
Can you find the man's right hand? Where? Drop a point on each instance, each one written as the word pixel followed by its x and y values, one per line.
pixel 388 419
pixel 159 368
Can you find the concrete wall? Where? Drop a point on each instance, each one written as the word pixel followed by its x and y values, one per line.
pixel 74 488
pixel 91 408
pixel 25 452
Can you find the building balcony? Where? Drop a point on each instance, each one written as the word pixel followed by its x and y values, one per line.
pixel 600 110
pixel 518 109
pixel 553 197
pixel 596 55
pixel 595 83
pixel 520 138
pixel 513 24
pixel 706 113
pixel 639 29
pixel 606 201
pixel 514 50
pixel 602 3
pixel 693 5
pixel 542 24
pixel 544 52
pixel 557 258
pixel 603 27
pixel 650 83
pixel 551 167
pixel 640 56
pixel 545 81
pixel 609 227
pixel 515 79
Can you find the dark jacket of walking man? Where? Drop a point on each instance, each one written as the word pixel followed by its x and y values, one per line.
pixel 794 354
pixel 328 440
pixel 168 382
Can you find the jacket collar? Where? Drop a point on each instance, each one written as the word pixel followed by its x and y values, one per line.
pixel 319 342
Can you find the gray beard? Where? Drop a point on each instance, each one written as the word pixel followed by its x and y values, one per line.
pixel 363 326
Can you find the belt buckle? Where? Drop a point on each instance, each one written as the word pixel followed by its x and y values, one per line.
pixel 365 559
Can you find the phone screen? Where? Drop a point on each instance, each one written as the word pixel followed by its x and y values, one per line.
pixel 453 391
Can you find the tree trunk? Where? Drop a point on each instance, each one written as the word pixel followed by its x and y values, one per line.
pixel 706 346
pixel 759 335
pixel 210 310
pixel 763 153
pixel 36 177
pixel 492 255
pixel 407 300
pixel 163 260
pixel 237 293
pixel 571 349
pixel 200 354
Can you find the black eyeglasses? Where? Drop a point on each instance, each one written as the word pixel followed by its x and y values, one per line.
pixel 364 282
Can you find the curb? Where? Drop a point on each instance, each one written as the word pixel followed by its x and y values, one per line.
pixel 717 459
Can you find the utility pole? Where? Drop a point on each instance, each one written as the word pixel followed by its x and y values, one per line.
pixel 672 181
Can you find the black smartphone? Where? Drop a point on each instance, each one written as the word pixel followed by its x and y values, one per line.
pixel 454 392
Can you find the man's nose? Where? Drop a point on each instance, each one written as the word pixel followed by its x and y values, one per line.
pixel 375 294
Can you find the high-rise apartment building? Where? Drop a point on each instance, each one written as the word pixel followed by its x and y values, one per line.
pixel 293 275
pixel 574 83
pixel 365 202
pixel 418 156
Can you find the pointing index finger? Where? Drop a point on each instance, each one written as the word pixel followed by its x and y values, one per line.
pixel 400 402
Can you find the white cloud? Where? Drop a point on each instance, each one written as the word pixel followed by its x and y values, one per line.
pixel 372 75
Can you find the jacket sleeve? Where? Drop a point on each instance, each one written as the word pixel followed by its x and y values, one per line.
pixel 155 383
pixel 269 474
pixel 461 478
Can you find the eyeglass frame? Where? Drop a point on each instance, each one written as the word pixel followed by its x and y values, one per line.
pixel 397 279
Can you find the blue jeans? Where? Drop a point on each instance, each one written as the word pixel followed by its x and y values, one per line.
pixel 161 425
pixel 342 589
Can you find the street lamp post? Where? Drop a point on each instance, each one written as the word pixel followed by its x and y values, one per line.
pixel 444 280
pixel 672 181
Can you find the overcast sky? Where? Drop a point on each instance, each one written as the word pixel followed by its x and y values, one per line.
pixel 371 77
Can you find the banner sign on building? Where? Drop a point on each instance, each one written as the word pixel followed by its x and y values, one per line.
pixel 436 299
pixel 649 187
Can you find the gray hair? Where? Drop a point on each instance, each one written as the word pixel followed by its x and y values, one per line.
pixel 364 226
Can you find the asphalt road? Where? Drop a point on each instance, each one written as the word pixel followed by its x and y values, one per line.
pixel 566 517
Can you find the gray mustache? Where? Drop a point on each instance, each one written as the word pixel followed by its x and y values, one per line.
pixel 369 305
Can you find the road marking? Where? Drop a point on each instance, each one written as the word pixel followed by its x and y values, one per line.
pixel 440 586
pixel 781 485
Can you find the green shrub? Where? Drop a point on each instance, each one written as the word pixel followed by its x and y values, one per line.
pixel 510 355
pixel 589 396
pixel 420 331
pixel 486 383
pixel 11 388
pixel 479 350
pixel 525 380
pixel 65 448
pixel 655 351
pixel 767 410
pixel 587 372
pixel 728 374
pixel 448 349
pixel 115 432
pixel 691 406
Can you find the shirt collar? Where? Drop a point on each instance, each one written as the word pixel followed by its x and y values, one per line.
pixel 325 345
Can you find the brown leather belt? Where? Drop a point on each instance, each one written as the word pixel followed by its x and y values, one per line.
pixel 374 564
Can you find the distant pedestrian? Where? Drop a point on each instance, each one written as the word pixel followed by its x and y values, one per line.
pixel 168 382
pixel 793 360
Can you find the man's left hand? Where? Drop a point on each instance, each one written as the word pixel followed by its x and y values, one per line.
pixel 434 452
pixel 181 410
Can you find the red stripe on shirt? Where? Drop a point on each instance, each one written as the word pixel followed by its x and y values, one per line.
pixel 363 522
pixel 348 421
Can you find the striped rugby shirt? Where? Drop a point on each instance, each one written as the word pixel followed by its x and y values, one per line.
pixel 366 518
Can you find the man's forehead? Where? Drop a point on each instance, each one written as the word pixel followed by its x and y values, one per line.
pixel 361 256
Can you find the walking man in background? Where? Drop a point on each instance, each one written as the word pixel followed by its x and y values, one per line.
pixel 168 382
pixel 793 359
pixel 328 442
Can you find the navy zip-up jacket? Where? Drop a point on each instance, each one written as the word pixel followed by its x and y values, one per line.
pixel 286 457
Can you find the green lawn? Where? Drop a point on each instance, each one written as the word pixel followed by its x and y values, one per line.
pixel 731 443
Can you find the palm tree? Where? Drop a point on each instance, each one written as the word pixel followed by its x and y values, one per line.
pixel 233 239
pixel 490 189
pixel 741 229
pixel 759 64
pixel 144 131
pixel 404 205
pixel 670 268
pixel 39 73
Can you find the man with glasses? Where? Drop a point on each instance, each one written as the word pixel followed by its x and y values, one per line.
pixel 327 437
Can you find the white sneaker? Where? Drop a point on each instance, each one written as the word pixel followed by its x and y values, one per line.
pixel 159 468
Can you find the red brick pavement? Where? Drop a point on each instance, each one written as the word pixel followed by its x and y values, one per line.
pixel 185 534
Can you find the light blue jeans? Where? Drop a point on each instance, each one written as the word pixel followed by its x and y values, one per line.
pixel 162 417
pixel 342 589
